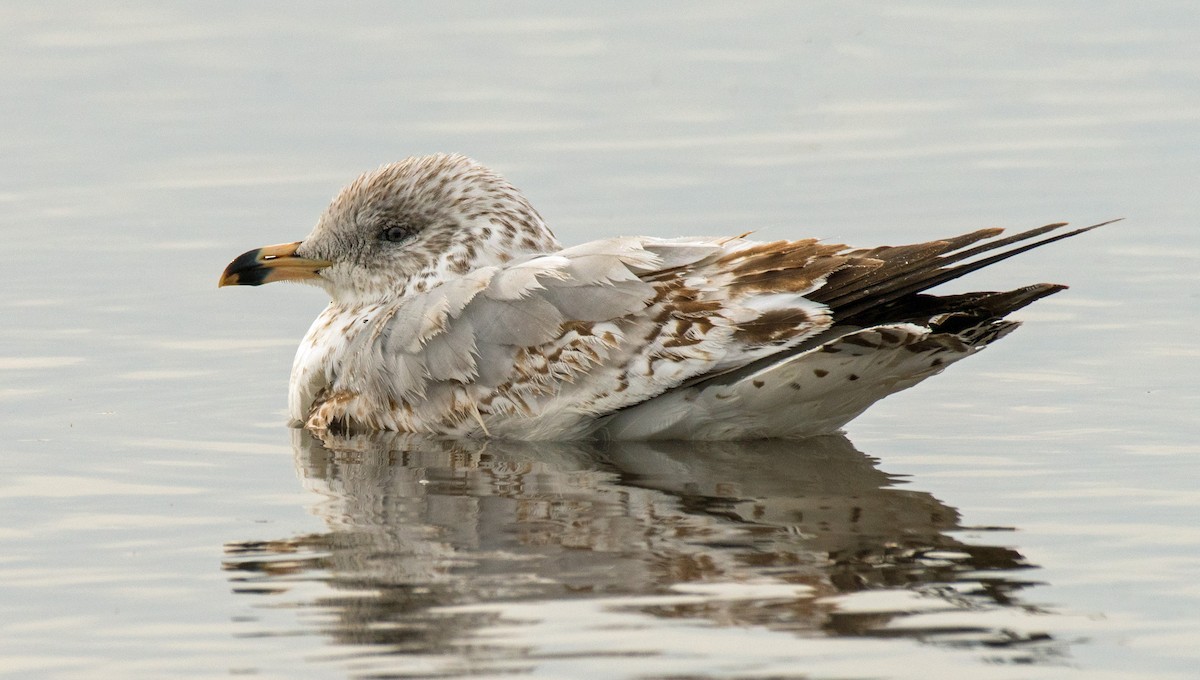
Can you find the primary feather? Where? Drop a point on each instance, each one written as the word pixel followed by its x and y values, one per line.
pixel 456 312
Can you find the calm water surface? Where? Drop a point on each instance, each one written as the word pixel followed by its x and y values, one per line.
pixel 1030 514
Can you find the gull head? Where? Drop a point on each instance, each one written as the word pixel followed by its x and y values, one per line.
pixel 404 228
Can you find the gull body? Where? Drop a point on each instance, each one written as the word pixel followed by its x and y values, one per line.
pixel 456 312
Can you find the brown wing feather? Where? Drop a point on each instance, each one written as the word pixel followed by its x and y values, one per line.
pixel 909 270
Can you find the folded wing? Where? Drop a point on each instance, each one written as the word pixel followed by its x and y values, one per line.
pixel 655 338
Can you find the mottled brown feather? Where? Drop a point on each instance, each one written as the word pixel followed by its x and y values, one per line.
pixel 785 266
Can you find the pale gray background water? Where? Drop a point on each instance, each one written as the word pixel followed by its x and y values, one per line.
pixel 159 520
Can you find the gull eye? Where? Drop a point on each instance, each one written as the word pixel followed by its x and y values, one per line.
pixel 395 233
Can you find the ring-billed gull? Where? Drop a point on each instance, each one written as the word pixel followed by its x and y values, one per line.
pixel 456 312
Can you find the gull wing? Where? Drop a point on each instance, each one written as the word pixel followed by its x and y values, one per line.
pixel 544 346
pixel 658 338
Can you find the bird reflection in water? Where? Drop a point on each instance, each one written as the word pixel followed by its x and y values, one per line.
pixel 788 535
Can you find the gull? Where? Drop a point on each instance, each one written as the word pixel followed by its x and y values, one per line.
pixel 455 312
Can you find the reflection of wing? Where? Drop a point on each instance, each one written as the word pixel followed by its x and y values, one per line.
pixel 820 488
pixel 414 525
pixel 823 493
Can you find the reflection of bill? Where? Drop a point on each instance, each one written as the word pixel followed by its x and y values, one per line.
pixel 785 534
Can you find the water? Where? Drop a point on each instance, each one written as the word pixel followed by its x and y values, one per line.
pixel 1031 513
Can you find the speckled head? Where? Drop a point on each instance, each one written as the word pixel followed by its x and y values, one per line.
pixel 407 226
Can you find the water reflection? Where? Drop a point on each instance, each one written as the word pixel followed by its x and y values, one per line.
pixel 805 537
